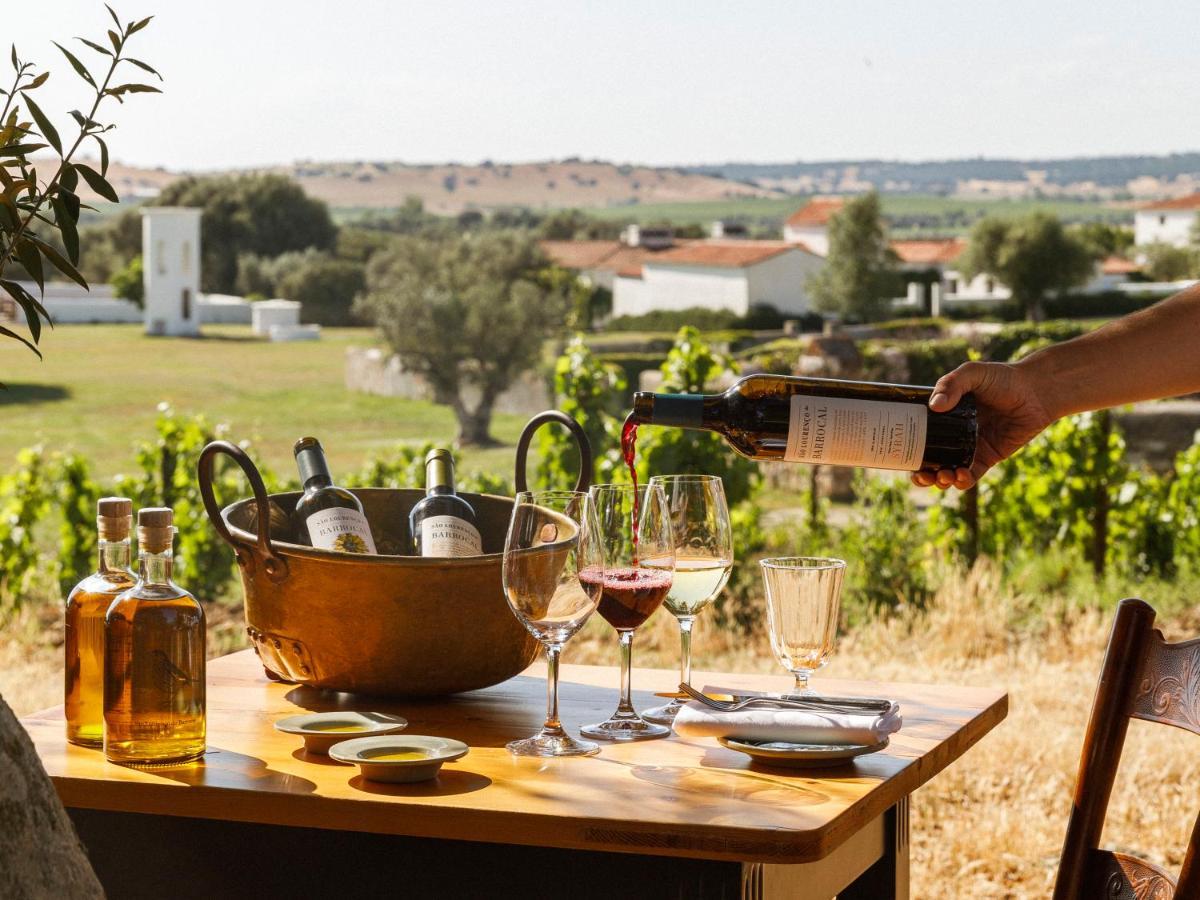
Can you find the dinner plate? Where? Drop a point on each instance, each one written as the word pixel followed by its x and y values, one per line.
pixel 800 756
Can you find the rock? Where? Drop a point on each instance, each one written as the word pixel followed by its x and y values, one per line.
pixel 836 356
pixel 40 854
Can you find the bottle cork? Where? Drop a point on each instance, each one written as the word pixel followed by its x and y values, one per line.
pixel 114 518
pixel 156 529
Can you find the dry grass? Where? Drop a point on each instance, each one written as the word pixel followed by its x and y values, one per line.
pixel 991 825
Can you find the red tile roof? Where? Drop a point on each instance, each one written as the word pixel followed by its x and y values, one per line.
pixel 817 211
pixel 579 254
pixel 724 254
pixel 935 252
pixel 1191 201
pixel 1119 265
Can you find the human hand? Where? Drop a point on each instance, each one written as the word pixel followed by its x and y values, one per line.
pixel 1011 413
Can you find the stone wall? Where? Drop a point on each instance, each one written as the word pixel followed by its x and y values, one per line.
pixel 372 371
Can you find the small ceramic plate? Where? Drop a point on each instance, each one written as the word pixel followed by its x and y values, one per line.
pixel 410 757
pixel 322 730
pixel 800 756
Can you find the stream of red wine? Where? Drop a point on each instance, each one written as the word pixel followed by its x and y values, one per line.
pixel 629 451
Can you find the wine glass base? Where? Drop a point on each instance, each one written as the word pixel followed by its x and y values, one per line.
pixel 625 728
pixel 663 715
pixel 552 745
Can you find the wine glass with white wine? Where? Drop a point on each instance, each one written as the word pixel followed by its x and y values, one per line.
pixel 703 559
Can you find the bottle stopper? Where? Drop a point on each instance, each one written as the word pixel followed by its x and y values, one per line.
pixel 114 518
pixel 156 529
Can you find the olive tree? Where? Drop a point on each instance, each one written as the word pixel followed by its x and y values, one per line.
pixel 1033 257
pixel 859 278
pixel 469 313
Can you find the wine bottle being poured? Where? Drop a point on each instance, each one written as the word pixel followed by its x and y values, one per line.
pixel 821 421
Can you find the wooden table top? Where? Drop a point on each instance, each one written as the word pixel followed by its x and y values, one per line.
pixel 675 797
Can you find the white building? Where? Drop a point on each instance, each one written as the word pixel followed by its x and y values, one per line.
pixel 171 269
pixel 809 225
pixel 1166 221
pixel 729 275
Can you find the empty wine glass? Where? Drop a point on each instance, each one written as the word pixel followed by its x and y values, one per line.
pixel 803 602
pixel 639 557
pixel 553 569
pixel 703 558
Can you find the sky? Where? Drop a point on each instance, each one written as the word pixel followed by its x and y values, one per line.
pixel 260 82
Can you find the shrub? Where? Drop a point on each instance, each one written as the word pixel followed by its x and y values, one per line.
pixel 925 361
pixel 325 288
pixel 127 282
pixel 761 317
pixel 1001 346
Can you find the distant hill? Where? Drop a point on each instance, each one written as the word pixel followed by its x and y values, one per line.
pixel 1105 177
pixel 450 188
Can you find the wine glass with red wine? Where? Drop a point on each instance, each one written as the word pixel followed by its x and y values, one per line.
pixel 639 563
pixel 553 571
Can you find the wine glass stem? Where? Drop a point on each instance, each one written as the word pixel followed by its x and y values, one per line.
pixel 685 648
pixel 801 681
pixel 552 722
pixel 626 704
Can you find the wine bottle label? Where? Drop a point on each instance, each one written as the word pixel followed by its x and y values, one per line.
pixel 840 432
pixel 449 536
pixel 340 529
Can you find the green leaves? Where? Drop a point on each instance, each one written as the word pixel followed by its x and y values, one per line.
pixel 48 131
pixel 97 183
pixel 27 202
pixel 79 67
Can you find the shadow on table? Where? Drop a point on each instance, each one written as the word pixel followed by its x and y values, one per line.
pixel 227 768
pixel 735 784
pixel 445 784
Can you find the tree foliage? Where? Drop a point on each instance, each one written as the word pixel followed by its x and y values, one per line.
pixel 127 282
pixel 467 313
pixel 325 289
pixel 1033 256
pixel 265 215
pixel 1166 262
pixel 39 217
pixel 859 277
pixel 1103 239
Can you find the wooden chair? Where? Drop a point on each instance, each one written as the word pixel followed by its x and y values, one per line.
pixel 1143 677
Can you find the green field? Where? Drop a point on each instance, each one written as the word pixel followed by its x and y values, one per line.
pixel 954 214
pixel 98 389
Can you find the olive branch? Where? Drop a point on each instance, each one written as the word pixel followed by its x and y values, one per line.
pixel 29 204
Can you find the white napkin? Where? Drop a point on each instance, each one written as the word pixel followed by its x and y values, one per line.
pixel 795 726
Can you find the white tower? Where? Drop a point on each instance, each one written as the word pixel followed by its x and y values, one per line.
pixel 171 269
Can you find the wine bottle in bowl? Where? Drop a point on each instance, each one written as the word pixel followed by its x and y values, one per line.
pixel 327 517
pixel 443 524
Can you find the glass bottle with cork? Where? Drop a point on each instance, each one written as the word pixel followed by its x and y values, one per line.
pixel 154 706
pixel 84 635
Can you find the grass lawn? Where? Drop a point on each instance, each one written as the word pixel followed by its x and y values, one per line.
pixel 99 386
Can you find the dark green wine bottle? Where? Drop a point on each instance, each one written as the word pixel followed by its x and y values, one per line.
pixel 327 517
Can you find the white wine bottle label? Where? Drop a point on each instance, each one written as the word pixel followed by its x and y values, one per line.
pixel 449 536
pixel 873 433
pixel 340 529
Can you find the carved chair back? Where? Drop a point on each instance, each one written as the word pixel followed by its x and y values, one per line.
pixel 1143 677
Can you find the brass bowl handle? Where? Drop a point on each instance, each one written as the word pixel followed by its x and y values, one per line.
pixel 581 441
pixel 275 565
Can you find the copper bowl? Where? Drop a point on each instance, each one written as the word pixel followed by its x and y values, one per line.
pixel 385 625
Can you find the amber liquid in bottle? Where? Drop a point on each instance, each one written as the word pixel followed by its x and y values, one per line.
pixel 154 707
pixel 86 605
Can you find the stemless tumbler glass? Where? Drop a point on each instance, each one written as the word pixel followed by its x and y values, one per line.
pixel 703 558
pixel 553 569
pixel 639 558
pixel 803 601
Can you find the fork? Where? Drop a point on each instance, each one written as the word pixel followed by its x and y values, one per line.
pixel 848 705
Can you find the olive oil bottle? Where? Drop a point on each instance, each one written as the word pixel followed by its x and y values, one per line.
pixel 86 605
pixel 154 708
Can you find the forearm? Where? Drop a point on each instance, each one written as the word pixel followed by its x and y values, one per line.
pixel 1148 355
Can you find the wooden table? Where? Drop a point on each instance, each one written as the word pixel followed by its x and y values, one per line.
pixel 667 818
